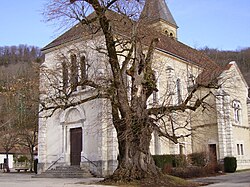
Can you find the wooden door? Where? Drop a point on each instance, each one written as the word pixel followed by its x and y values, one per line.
pixel 75 146
pixel 212 152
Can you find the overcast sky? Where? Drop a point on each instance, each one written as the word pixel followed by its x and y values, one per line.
pixel 222 24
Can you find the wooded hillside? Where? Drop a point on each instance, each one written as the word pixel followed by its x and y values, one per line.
pixel 21 53
pixel 241 57
pixel 19 98
pixel 24 53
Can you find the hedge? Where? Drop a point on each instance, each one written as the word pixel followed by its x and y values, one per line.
pixel 171 160
pixel 230 164
pixel 198 159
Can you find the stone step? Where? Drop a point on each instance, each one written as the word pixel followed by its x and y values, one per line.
pixel 75 168
pixel 62 175
pixel 56 171
pixel 66 172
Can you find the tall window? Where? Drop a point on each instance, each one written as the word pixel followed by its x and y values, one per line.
pixel 181 149
pixel 155 93
pixel 178 87
pixel 83 69
pixel 170 80
pixel 191 82
pixel 73 72
pixel 240 149
pixel 237 111
pixel 65 75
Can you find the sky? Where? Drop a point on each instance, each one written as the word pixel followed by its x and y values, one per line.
pixel 221 24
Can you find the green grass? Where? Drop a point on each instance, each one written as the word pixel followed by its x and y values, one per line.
pixel 163 181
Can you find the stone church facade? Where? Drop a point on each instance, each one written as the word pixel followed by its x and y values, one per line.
pixel 83 135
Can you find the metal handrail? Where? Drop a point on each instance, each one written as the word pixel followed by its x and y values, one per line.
pixel 62 157
pixel 90 161
pixel 54 163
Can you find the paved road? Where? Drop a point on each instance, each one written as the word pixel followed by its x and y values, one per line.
pixel 238 179
pixel 26 180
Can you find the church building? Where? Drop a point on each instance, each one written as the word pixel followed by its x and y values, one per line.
pixel 82 135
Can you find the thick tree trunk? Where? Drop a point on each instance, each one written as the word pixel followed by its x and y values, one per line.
pixel 135 160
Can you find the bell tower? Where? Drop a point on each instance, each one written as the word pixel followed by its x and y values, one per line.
pixel 157 14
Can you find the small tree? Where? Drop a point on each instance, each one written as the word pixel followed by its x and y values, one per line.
pixel 19 97
pixel 28 107
pixel 9 136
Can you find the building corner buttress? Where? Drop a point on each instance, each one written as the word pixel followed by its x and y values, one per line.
pixel 42 145
pixel 225 129
pixel 228 126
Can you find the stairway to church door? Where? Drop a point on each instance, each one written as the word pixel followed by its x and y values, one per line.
pixel 75 146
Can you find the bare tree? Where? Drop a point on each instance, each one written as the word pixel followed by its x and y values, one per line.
pixel 129 81
pixel 19 105
pixel 28 105
pixel 9 136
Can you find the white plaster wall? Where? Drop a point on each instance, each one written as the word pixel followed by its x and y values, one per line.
pixel 54 139
pixel 92 130
pixel 3 156
pixel 181 70
pixel 241 136
pixel 234 84
pixel 167 94
pixel 203 136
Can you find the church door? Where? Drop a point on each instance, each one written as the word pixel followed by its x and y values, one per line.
pixel 212 152
pixel 75 146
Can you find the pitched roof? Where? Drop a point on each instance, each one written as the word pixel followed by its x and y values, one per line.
pixel 155 10
pixel 123 26
pixel 74 33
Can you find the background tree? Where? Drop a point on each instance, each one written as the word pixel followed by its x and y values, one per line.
pixel 19 54
pixel 128 83
pixel 28 106
pixel 241 57
pixel 19 101
pixel 9 135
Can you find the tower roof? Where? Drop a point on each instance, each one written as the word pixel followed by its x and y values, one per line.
pixel 155 10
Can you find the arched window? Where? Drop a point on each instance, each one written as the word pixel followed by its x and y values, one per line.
pixel 181 148
pixel 73 72
pixel 191 82
pixel 155 93
pixel 237 111
pixel 178 87
pixel 83 69
pixel 170 80
pixel 65 75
